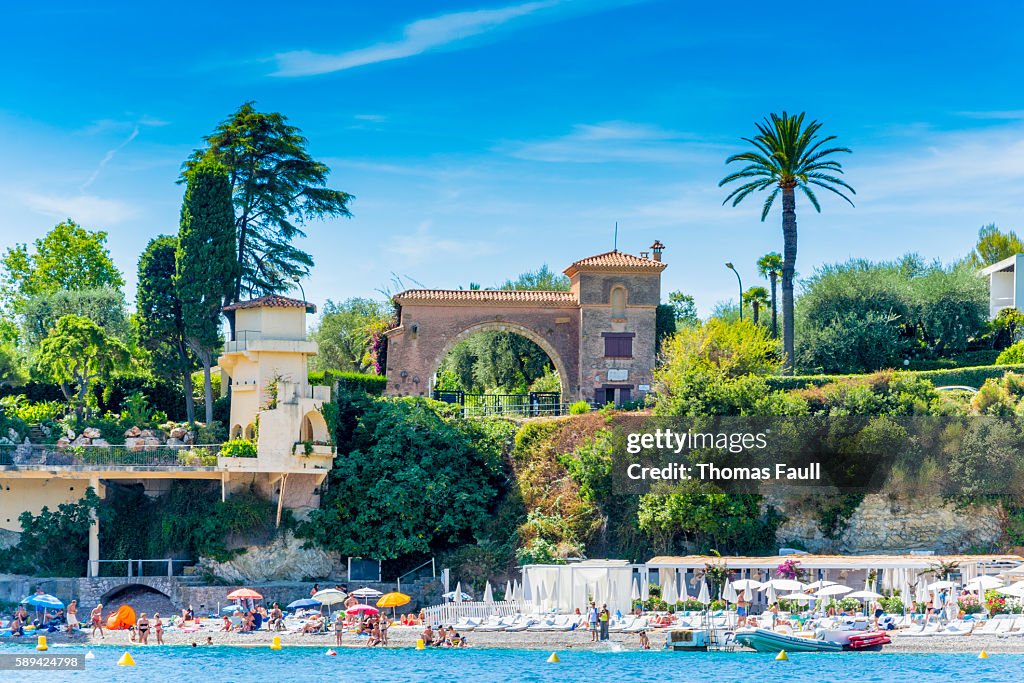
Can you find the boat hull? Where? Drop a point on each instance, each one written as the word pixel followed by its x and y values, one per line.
pixel 763 640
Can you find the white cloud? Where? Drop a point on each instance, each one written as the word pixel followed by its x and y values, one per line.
pixel 83 208
pixel 422 245
pixel 996 115
pixel 614 141
pixel 107 158
pixel 417 38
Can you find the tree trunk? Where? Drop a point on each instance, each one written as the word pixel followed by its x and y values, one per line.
pixel 208 388
pixel 757 309
pixel 788 270
pixel 190 401
pixel 774 277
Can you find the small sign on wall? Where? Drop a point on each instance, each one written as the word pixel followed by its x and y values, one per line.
pixel 644 387
pixel 618 375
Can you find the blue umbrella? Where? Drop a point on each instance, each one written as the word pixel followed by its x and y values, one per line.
pixel 43 601
pixel 303 603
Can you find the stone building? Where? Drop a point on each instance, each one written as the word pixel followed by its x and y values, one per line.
pixel 600 335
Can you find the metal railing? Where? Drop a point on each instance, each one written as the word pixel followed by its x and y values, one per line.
pixel 533 404
pixel 418 573
pixel 136 569
pixel 42 456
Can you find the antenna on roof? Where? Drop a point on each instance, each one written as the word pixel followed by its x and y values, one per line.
pixel 615 243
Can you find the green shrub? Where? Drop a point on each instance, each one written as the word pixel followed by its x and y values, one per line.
pixel 238 448
pixel 579 408
pixel 892 604
pixel 972 377
pixel 353 381
pixel 213 433
pixel 1012 355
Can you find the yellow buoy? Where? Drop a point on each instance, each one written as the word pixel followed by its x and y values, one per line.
pixel 41 643
pixel 983 655
pixel 126 660
pixel 782 656
pixel 276 644
pixel 420 645
pixel 553 659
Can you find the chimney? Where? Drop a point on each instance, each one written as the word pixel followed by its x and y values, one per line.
pixel 656 249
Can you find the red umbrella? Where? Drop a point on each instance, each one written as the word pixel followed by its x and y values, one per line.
pixel 244 594
pixel 366 609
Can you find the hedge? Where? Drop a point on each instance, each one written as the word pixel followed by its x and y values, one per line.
pixel 970 377
pixel 371 384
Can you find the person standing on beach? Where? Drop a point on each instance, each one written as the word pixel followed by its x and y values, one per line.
pixel 96 619
pixel 592 622
pixel 158 629
pixel 143 629
pixel 339 629
pixel 73 616
pixel 604 617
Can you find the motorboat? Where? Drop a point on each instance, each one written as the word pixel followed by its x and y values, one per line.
pixel 766 640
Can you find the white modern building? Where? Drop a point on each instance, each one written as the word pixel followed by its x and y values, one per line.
pixel 1005 288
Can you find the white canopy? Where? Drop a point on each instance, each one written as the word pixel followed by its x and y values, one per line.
pixel 834 589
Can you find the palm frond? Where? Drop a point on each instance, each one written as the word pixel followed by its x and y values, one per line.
pixel 768 201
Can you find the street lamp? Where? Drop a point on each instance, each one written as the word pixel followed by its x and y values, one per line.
pixel 731 267
pixel 296 280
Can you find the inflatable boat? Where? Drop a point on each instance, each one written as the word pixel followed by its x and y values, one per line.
pixel 763 640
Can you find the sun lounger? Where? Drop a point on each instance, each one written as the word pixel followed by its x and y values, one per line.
pixel 465 624
pixel 641 624
pixel 520 623
pixel 957 628
pixel 921 631
pixel 543 624
pixel 494 623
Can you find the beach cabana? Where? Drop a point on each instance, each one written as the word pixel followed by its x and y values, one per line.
pixel 563 588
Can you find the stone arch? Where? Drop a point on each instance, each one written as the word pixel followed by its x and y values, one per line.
pixel 515 328
pixel 618 299
pixel 236 432
pixel 250 431
pixel 313 427
pixel 131 587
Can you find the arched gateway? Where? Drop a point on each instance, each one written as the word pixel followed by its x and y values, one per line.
pixel 600 335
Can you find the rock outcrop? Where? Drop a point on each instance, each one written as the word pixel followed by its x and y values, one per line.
pixel 284 559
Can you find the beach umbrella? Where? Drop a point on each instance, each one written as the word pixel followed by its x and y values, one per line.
pixel 364 609
pixel 517 590
pixel 668 591
pixel 770 595
pixel 985 583
pixel 244 594
pixel 1016 589
pixel 43 601
pixel 645 586
pixel 704 596
pixel 939 585
pixel 364 593
pixel 488 592
pixel 304 603
pixel 864 595
pixel 330 596
pixel 1013 571
pixel 834 589
pixel 509 595
pixel 818 585
pixel 746 584
pixel 456 597
pixel 922 592
pixel 393 600
pixel 783 585
pixel 798 597
pixel 525 591
pixel 635 591
pixel 728 592
pixel 682 595
pixel 458 592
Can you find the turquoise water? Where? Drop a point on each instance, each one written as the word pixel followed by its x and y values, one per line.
pixel 217 664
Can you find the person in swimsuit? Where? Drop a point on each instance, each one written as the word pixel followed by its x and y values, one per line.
pixel 96 619
pixel 143 629
pixel 73 616
pixel 158 629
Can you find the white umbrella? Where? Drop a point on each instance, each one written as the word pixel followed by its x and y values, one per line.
pixel 331 596
pixel 783 585
pixel 922 592
pixel 458 592
pixel 746 584
pixel 770 595
pixel 668 591
pixel 834 589
pixel 365 593
pixel 635 593
pixel 939 585
pixel 684 593
pixel 525 591
pixel 798 597
pixel 704 597
pixel 488 593
pixel 508 595
pixel 985 582
pixel 1013 571
pixel 1016 590
pixel 729 592
pixel 645 586
pixel 818 585
pixel 865 595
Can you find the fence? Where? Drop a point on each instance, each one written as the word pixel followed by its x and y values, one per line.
pixel 38 456
pixel 452 612
pixel 533 404
pixel 139 568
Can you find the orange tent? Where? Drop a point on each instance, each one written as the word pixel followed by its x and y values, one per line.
pixel 121 619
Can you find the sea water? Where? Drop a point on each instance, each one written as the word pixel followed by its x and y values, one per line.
pixel 213 664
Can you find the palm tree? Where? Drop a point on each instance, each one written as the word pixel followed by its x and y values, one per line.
pixel 787 155
pixel 756 298
pixel 769 266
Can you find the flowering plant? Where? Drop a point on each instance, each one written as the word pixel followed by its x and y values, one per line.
pixel 790 569
pixel 969 604
pixel 996 603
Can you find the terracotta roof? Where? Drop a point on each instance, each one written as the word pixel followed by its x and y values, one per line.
pixel 615 260
pixel 272 301
pixel 490 296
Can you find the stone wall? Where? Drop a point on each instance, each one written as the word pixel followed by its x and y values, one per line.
pixel 284 558
pixel 883 525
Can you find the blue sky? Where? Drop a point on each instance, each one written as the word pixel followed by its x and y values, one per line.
pixel 485 139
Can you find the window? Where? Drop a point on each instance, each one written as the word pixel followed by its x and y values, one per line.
pixel 618 301
pixel 618 344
